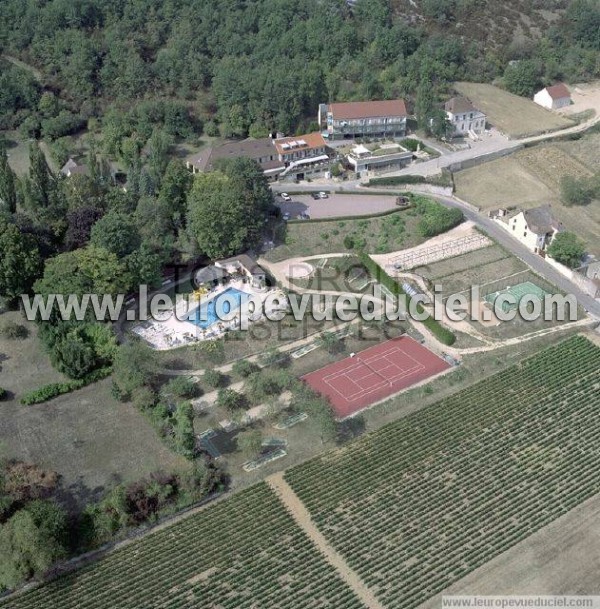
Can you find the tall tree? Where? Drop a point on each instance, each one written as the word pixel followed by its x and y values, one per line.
pixel 227 208
pixel 8 191
pixel 20 262
pixel 30 542
pixel 41 179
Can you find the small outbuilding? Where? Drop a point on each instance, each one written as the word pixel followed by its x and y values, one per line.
pixel 554 97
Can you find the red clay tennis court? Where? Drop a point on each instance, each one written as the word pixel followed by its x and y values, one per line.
pixel 356 382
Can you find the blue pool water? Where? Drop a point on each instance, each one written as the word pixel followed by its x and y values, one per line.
pixel 206 315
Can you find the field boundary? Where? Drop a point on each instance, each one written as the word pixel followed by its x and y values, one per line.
pixel 292 503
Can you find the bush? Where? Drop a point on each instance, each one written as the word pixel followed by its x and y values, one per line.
pixel 14 331
pixel 394 180
pixel 267 383
pixel 273 357
pixel 579 191
pixel 48 392
pixel 244 368
pixel 180 387
pixel 567 249
pixel 231 400
pixel 214 379
pixel 436 218
pixel 410 144
pixel 349 242
pixel 3 394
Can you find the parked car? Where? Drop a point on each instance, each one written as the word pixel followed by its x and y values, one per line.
pixel 323 195
pixel 285 196
pixel 303 216
pixel 315 195
pixel 286 217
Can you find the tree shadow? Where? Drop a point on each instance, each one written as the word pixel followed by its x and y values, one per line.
pixel 350 429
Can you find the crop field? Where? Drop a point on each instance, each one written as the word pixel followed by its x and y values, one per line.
pixel 241 553
pixel 427 499
pixel 532 177
pixel 513 115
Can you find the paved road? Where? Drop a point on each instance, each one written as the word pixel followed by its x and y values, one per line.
pixel 504 238
pixel 537 263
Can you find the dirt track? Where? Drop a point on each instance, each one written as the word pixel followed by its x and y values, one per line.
pixel 300 514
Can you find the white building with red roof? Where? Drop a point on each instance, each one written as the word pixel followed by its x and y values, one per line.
pixel 302 155
pixel 554 97
pixel 371 119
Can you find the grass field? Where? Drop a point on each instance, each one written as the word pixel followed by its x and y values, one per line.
pixel 91 440
pixel 380 234
pixel 513 115
pixel 242 553
pixel 422 502
pixel 532 177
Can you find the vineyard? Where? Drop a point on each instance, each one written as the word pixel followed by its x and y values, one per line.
pixel 422 502
pixel 242 553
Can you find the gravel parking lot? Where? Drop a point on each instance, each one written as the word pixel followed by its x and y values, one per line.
pixel 336 205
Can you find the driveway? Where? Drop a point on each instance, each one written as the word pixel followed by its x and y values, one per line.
pixel 338 204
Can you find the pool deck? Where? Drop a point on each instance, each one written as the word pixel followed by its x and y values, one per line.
pixel 174 329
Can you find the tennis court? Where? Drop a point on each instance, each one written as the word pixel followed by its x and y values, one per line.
pixel 518 292
pixel 355 383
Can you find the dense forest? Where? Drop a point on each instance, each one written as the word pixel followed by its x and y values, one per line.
pixel 245 67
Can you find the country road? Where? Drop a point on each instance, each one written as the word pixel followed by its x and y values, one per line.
pixel 535 262
pixel 504 238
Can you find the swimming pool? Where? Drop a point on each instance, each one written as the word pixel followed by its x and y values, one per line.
pixel 206 315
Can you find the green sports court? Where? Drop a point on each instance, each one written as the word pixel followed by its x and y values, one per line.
pixel 518 291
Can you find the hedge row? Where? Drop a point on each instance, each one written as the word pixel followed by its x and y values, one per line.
pixel 445 336
pixel 445 179
pixel 53 390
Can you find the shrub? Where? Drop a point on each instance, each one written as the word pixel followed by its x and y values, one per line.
pixel 436 218
pixel 14 331
pixel 180 387
pixel 48 392
pixel 410 144
pixel 244 368
pixel 267 383
pixel 231 400
pixel 273 356
pixel 3 394
pixel 214 379
pixel 567 249
pixel 579 191
pixel 349 242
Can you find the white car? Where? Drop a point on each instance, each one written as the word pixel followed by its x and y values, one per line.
pixel 286 217
pixel 285 196
pixel 323 195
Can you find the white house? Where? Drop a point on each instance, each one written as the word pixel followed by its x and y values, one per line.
pixel 554 97
pixel 464 117
pixel 372 119
pixel 534 227
pixel 386 157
